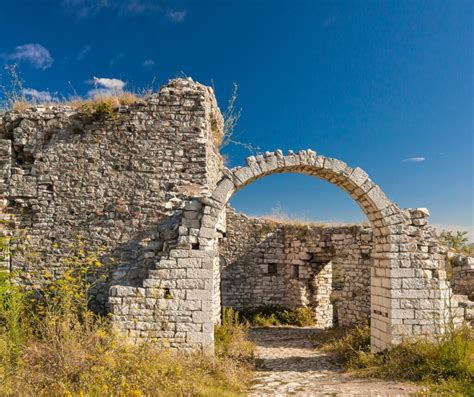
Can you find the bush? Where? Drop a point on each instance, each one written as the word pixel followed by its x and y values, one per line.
pixel 53 345
pixel 231 337
pixel 352 345
pixel 268 316
pixel 14 331
pixel 444 365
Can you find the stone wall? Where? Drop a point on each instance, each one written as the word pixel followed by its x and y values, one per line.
pixel 120 182
pixel 463 275
pixel 147 184
pixel 265 262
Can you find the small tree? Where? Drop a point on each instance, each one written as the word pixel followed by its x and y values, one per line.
pixel 457 242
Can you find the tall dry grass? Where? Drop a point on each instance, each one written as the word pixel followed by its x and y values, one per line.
pixel 51 344
pixel 445 366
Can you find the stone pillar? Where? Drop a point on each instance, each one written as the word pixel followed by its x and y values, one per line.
pixel 175 305
pixel 321 297
pixel 410 296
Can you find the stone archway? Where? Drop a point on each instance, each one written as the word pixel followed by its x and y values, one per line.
pixel 409 292
pixel 408 287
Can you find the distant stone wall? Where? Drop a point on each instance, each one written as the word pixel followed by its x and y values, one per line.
pixel 119 182
pixel 269 263
pixel 463 275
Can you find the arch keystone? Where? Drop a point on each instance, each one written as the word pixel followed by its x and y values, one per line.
pixel 291 160
pixel 271 162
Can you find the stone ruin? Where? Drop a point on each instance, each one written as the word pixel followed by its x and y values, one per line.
pixel 266 262
pixel 150 186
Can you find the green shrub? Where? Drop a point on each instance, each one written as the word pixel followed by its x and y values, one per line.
pixel 54 345
pixel 101 107
pixel 14 331
pixel 353 345
pixel 231 337
pixel 447 364
pixel 269 315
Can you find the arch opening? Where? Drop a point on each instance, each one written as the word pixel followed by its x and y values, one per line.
pixel 396 247
pixel 409 294
pixel 267 264
pixel 277 261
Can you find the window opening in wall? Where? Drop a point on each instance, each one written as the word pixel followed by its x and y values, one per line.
pixel 296 271
pixel 167 293
pixel 272 268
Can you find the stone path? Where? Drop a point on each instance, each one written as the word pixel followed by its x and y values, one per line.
pixel 290 366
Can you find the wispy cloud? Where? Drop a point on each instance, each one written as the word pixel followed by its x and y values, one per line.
pixel 139 7
pixel 90 8
pixel 39 96
pixel 176 15
pixel 83 52
pixel 117 58
pixel 148 63
pixel 106 86
pixel 85 8
pixel 413 160
pixel 34 54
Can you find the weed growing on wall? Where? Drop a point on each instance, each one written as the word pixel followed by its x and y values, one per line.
pixel 101 108
pixel 11 89
pixel 13 95
pixel 231 117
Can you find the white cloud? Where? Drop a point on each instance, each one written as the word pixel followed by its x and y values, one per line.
pixel 83 52
pixel 148 63
pixel 413 160
pixel 111 84
pixel 37 55
pixel 39 96
pixel 176 15
pixel 97 92
pixel 106 86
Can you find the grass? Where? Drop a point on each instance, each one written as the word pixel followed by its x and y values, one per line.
pixel 97 106
pixel 231 337
pixel 51 344
pixel 445 366
pixel 14 97
pixel 272 316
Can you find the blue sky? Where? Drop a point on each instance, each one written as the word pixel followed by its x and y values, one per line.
pixel 372 83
